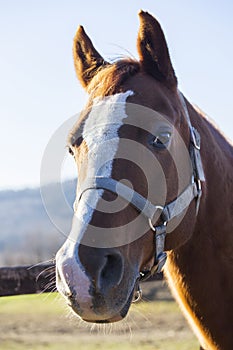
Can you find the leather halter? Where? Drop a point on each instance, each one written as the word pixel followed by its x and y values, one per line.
pixel 148 209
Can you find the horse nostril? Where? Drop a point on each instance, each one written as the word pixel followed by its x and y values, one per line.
pixel 112 271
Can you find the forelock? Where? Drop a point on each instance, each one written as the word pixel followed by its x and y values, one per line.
pixel 110 79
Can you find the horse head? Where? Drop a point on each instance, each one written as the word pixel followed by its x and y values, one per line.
pixel 131 146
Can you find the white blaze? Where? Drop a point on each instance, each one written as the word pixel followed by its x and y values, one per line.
pixel 100 134
pixel 101 131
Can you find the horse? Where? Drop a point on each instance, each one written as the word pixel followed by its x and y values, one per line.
pixel 154 193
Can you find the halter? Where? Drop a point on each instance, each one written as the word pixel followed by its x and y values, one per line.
pixel 148 209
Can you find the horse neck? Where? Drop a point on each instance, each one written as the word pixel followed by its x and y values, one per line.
pixel 199 271
pixel 217 158
pixel 214 225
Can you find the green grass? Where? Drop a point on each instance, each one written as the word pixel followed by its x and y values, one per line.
pixel 166 345
pixel 40 322
pixel 42 303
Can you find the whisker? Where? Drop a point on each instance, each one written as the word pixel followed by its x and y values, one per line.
pixel 48 294
pixel 52 260
pixel 51 274
pixel 48 286
pixel 93 327
pixel 46 269
pixel 129 329
pixel 58 297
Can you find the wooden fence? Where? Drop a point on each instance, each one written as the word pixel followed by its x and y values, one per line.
pixel 31 279
pixel 27 279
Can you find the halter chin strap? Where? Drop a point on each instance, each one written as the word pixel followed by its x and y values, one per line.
pixel 148 209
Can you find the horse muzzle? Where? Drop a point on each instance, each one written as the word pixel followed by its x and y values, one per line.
pixel 100 292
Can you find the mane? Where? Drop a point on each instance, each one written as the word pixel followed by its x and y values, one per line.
pixel 110 78
pixel 215 127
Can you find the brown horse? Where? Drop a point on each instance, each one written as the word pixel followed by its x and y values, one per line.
pixel 176 199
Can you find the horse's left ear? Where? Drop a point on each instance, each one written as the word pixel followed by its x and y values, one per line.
pixel 87 60
pixel 153 50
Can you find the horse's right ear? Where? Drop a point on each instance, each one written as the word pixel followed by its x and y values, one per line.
pixel 87 60
pixel 153 50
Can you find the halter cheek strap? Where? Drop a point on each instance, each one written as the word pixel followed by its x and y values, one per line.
pixel 148 209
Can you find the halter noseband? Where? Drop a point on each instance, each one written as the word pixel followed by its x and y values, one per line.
pixel 148 209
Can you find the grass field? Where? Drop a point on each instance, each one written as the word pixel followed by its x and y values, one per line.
pixel 39 322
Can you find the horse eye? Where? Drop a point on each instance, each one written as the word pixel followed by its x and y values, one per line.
pixel 162 140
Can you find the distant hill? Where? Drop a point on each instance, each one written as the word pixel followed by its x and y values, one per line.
pixel 26 231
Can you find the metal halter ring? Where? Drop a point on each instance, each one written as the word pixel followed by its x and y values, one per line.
pixel 158 207
pixel 137 295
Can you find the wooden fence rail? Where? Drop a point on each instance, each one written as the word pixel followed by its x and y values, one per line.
pixel 27 279
pixel 31 279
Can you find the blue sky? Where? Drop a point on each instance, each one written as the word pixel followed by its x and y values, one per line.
pixel 38 86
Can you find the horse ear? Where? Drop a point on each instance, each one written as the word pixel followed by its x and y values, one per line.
pixel 87 60
pixel 153 50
